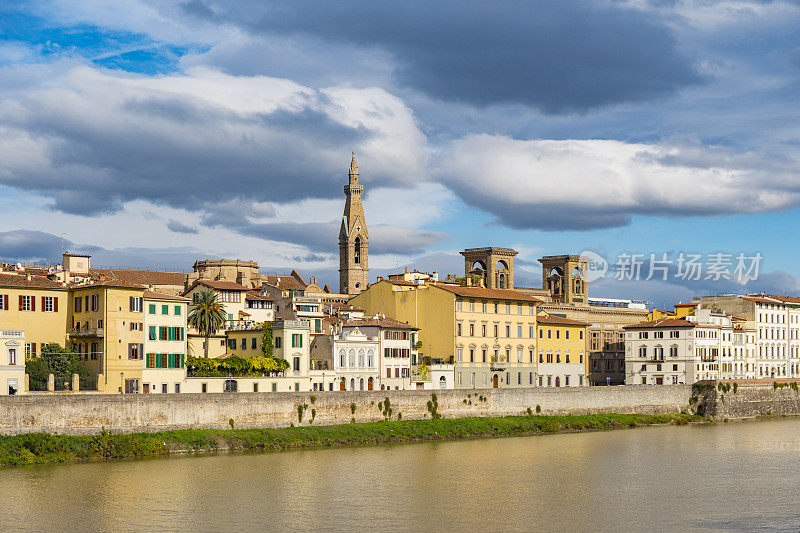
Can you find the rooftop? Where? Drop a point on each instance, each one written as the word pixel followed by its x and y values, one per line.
pixel 663 323
pixel 488 294
pixel 22 281
pixel 140 277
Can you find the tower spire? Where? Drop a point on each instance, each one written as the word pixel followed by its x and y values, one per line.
pixel 353 169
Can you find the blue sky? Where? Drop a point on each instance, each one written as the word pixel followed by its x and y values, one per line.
pixel 152 133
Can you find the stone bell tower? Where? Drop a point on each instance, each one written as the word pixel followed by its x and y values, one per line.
pixel 353 238
pixel 493 266
pixel 564 276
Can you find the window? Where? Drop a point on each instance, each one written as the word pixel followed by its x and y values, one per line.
pixel 519 331
pixel 244 343
pixel 274 387
pixel 135 303
pixel 177 388
pixel 519 355
pixel 472 355
pixel 177 310
pixel 296 364
pixel 230 385
pixel 26 303
pixel 496 330
pixel 483 330
pixel 163 388
pixel 472 306
pixel 12 356
pixel 253 343
pixel 164 309
pixel 357 251
pixel 204 387
pixel 277 342
pixel 77 305
pixel 472 330
pixel 151 309
pixel 135 351
pixel 48 304
pixel 642 351
pixel 297 340
pixel 566 381
pixel 152 333
pixel 460 353
pixel 232 344
pixel 96 303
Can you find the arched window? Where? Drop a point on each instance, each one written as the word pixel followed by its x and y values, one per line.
pixel 566 356
pixel 442 382
pixel 352 384
pixel 351 356
pixel 361 384
pixel 361 359
pixel 357 251
pixel 502 279
pixel 558 356
pixel 341 358
pixel 230 385
pixel 369 358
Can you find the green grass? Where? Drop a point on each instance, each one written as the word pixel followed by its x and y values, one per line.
pixel 42 448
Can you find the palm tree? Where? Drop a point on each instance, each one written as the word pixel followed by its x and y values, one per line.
pixel 207 315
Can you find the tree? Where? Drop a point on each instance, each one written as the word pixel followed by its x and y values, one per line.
pixel 266 340
pixel 57 360
pixel 207 315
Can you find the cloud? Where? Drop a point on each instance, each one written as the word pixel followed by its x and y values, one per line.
pixel 25 245
pixel 92 140
pixel 180 227
pixel 589 184
pixel 560 57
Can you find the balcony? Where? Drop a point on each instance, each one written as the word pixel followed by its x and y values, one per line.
pixel 87 332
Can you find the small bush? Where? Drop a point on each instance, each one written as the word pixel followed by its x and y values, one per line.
pixel 231 422
pixel 538 408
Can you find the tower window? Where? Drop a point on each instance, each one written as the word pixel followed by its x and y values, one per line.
pixel 357 251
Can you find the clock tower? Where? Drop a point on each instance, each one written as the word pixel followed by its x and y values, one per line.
pixel 353 238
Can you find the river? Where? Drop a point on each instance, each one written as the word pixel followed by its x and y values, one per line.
pixel 739 476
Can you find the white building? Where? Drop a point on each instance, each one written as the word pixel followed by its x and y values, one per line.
pixel 438 377
pixel 355 360
pixel 12 362
pixel 704 346
pixel 396 348
pixel 165 342
pixel 776 322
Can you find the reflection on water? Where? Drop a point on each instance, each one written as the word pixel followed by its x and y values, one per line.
pixel 736 477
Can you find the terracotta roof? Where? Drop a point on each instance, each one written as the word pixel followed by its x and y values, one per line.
pixel 140 277
pixel 401 282
pixel 760 300
pixel 284 283
pixel 106 283
pixel 786 299
pixel 663 323
pixel 36 282
pixel 379 322
pixel 219 285
pixel 489 294
pixel 255 295
pixel 552 319
pixel 153 295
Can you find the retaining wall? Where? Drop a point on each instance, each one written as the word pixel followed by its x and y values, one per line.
pixel 84 414
pixel 749 399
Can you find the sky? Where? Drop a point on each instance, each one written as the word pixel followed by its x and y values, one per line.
pixel 151 133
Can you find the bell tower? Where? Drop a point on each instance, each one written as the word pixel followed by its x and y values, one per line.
pixel 564 276
pixel 353 238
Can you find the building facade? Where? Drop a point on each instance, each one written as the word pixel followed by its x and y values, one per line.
pixel 562 358
pixel 12 362
pixel 165 344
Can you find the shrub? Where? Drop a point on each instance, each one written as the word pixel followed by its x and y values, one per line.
pixel 538 408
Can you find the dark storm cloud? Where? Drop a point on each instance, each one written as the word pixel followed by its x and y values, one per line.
pixel 24 245
pixel 96 166
pixel 322 236
pixel 558 56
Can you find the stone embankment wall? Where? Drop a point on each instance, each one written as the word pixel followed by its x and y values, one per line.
pixel 84 414
pixel 746 398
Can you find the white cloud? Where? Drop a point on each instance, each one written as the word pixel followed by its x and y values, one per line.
pixel 578 184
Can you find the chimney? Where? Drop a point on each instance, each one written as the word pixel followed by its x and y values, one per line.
pixel 469 281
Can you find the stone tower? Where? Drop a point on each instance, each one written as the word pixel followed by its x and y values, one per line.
pixel 564 276
pixel 494 266
pixel 353 238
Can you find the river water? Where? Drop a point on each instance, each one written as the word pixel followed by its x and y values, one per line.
pixel 739 476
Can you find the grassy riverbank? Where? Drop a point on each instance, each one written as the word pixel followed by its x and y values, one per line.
pixel 40 448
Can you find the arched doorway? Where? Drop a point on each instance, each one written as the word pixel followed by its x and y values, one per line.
pixel 495 381
pixel 558 381
pixel 361 384
pixel 442 382
pixel 352 384
pixel 369 384
pixel 342 384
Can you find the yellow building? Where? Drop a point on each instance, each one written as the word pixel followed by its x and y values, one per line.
pixel 108 333
pixel 489 334
pixel 562 356
pixel 37 306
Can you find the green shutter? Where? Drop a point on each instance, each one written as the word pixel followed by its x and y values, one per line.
pixel 158 360
pixel 183 360
pixel 152 309
pixel 177 310
pixel 152 333
pixel 181 333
